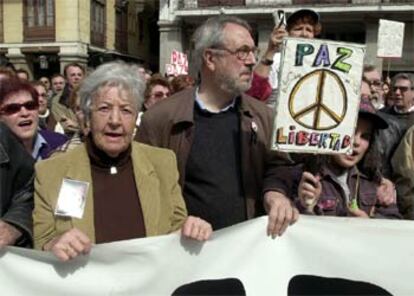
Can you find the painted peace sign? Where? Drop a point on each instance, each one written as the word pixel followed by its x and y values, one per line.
pixel 328 108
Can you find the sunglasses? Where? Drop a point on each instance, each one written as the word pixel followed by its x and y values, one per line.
pixel 15 107
pixel 402 89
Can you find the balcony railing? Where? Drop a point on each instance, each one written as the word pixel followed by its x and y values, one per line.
pixel 196 4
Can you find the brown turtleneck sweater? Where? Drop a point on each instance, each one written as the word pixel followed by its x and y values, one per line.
pixel 117 208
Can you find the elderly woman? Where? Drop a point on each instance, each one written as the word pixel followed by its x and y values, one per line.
pixel 108 188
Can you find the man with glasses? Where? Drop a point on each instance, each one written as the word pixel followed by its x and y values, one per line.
pixel 403 96
pixel 399 117
pixel 402 161
pixel 220 135
pixel 402 92
pixel 374 79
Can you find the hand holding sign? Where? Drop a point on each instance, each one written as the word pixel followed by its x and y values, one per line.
pixel 309 191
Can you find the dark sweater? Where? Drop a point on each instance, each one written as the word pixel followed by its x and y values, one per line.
pixel 213 187
pixel 117 208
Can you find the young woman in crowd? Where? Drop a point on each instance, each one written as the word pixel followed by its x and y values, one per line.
pixel 346 185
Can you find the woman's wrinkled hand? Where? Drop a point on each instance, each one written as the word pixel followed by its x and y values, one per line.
pixel 196 228
pixel 69 245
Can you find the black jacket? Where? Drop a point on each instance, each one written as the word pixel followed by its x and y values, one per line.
pixel 16 185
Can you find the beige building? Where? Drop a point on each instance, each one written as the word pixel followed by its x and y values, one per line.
pixel 343 20
pixel 43 36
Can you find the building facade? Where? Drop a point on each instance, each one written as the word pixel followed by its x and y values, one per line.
pixel 342 20
pixel 42 36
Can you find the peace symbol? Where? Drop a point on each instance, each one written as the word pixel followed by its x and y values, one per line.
pixel 329 100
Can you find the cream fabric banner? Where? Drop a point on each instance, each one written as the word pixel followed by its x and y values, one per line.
pixel 373 251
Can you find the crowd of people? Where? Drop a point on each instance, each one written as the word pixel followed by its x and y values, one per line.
pixel 116 154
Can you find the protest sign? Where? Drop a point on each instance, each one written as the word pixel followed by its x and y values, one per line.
pixel 178 64
pixel 318 97
pixel 366 256
pixel 390 39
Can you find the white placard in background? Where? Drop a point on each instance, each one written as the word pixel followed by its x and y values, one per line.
pixel 390 39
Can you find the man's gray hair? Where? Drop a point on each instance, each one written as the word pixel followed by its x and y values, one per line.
pixel 405 76
pixel 117 74
pixel 210 35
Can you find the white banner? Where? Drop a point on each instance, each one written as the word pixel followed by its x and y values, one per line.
pixel 318 97
pixel 369 252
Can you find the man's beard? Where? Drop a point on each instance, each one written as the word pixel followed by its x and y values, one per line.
pixel 232 86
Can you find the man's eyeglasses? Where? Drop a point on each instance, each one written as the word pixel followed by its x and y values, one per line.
pixel 241 53
pixel 16 107
pixel 375 83
pixel 402 89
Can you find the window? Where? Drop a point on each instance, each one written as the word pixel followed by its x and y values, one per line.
pixel 321 1
pixel 39 20
pixel 121 29
pixel 211 3
pixel 98 22
pixel 1 21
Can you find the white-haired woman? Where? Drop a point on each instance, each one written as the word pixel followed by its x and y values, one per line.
pixel 109 188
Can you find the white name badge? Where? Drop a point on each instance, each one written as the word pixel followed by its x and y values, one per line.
pixel 71 199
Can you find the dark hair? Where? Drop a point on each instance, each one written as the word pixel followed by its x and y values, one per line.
pixel 7 72
pixel 181 82
pixel 56 75
pixel 403 76
pixel 156 79
pixel 371 163
pixel 10 66
pixel 37 83
pixel 14 85
pixel 317 27
pixel 73 65
pixel 22 71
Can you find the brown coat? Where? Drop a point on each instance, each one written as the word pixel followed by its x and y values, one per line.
pixel 170 124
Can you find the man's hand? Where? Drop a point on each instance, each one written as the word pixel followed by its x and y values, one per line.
pixel 69 245
pixel 386 193
pixel 196 228
pixel 8 234
pixel 281 213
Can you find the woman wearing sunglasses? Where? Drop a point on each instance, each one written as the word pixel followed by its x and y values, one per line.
pixel 19 110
